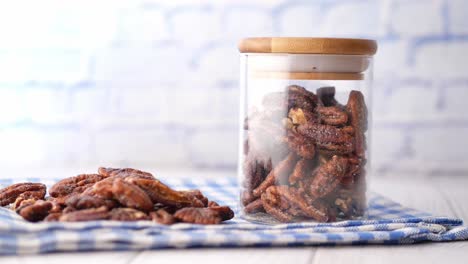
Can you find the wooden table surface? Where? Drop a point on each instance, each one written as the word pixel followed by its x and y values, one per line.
pixel 437 194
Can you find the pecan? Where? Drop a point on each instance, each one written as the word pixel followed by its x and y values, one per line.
pixel 161 216
pixel 358 118
pixel 254 207
pixel 36 211
pixel 129 195
pixel 299 97
pixel 225 212
pixel 110 172
pixel 302 145
pixel 161 193
pixel 27 190
pixel 196 195
pixel 330 138
pixel 301 171
pixel 76 184
pixel 328 176
pixel 315 210
pixel 53 217
pixel 332 115
pixel 83 201
pixel 274 211
pixel 326 96
pixel 279 174
pixel 127 214
pixel 204 216
pixel 247 197
pixel 93 214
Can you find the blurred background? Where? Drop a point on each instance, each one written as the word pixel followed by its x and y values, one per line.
pixel 155 83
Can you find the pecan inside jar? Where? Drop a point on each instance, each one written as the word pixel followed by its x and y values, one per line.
pixel 321 177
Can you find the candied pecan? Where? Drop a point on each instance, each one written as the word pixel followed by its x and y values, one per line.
pixel 204 216
pixel 83 201
pixel 315 210
pixel 128 194
pixel 161 216
pixel 327 137
pixel 36 211
pixel 127 214
pixel 76 184
pixel 301 171
pixel 28 190
pixel 92 214
pixel 53 217
pixel 274 211
pixel 161 193
pixel 299 97
pixel 110 172
pixel 225 212
pixel 254 207
pixel 196 195
pixel 20 201
pixel 279 174
pixel 332 115
pixel 358 118
pixel 302 145
pixel 328 176
pixel 326 96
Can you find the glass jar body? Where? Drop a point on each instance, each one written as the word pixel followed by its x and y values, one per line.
pixel 303 152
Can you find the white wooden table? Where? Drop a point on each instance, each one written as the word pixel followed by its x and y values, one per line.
pixel 438 195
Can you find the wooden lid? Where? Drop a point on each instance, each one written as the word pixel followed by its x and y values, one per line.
pixel 339 46
pixel 307 75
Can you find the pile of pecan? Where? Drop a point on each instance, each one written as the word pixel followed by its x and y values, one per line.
pixel 112 194
pixel 304 156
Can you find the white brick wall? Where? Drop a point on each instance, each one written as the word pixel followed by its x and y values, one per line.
pixel 155 83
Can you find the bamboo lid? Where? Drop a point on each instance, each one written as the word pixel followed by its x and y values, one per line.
pixel 339 46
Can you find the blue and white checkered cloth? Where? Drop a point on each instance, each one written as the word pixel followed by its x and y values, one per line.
pixel 388 223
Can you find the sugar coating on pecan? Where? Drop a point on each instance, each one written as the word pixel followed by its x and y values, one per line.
pixel 76 184
pixel 300 144
pixel 332 115
pixel 328 176
pixel 28 190
pixel 328 137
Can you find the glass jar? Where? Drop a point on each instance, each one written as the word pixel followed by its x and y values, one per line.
pixel 304 134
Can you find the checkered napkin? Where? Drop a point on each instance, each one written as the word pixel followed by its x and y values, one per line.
pixel 388 223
